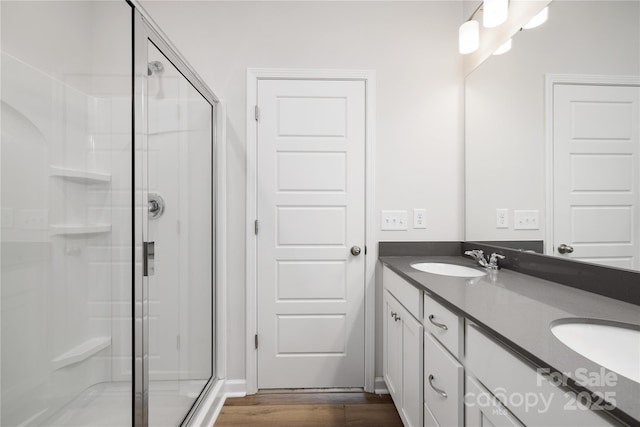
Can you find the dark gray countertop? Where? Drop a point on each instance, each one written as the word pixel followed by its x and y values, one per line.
pixel 518 309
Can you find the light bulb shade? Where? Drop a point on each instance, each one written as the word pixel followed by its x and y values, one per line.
pixel 495 12
pixel 538 20
pixel 469 37
pixel 504 48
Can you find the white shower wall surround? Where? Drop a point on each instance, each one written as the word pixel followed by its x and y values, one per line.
pixel 72 302
pixel 67 204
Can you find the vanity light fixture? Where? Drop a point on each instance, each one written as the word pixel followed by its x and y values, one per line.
pixel 469 34
pixel 469 37
pixel 495 12
pixel 504 48
pixel 538 20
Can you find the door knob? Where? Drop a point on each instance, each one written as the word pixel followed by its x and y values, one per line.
pixel 565 249
pixel 355 250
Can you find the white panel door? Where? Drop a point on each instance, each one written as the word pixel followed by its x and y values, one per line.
pixel 596 179
pixel 310 208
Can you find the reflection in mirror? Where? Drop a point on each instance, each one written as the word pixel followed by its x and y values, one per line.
pixel 552 136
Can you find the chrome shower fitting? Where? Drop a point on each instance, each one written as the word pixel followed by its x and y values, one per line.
pixel 155 67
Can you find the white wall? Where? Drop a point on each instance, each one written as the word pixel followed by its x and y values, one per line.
pixel 412 46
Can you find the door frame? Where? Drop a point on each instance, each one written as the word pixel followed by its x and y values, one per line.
pixel 566 79
pixel 254 75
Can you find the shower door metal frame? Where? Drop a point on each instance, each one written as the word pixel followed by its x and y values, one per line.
pixel 145 31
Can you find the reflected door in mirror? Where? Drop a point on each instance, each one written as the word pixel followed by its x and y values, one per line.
pixel 595 173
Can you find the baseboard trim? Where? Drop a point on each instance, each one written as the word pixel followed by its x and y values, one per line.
pixel 380 387
pixel 235 388
pixel 210 407
pixel 224 389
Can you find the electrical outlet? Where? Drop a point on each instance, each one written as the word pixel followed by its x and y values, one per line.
pixel 502 218
pixel 393 220
pixel 526 220
pixel 419 218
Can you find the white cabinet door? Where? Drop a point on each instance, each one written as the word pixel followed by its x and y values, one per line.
pixel 482 409
pixel 392 349
pixel 411 369
pixel 403 360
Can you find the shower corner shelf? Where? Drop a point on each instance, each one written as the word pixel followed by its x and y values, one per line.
pixel 78 175
pixel 81 352
pixel 78 229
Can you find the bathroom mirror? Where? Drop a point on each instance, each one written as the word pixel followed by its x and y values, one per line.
pixel 543 160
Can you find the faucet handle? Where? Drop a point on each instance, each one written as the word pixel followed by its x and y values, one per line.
pixel 493 260
pixel 478 255
pixel 475 254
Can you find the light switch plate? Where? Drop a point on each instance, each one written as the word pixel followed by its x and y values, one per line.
pixel 526 220
pixel 393 220
pixel 419 218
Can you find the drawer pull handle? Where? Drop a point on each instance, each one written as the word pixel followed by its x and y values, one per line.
pixel 437 390
pixel 439 325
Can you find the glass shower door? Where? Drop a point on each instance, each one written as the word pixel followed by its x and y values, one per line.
pixel 179 196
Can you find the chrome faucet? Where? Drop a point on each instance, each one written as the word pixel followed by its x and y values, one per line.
pixel 478 255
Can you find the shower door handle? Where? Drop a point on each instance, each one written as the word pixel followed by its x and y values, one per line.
pixel 149 258
pixel 156 205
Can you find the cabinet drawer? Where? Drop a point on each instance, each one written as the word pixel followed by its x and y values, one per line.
pixel 429 420
pixel 444 325
pixel 407 294
pixel 509 377
pixel 482 409
pixel 442 374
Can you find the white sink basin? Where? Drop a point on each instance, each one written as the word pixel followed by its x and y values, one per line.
pixel 615 346
pixel 447 269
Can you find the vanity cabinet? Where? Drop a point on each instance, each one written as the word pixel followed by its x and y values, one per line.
pixel 446 371
pixel 526 392
pixel 402 335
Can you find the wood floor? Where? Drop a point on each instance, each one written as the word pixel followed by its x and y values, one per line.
pixel 307 409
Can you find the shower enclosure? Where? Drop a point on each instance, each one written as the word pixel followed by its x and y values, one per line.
pixel 108 220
